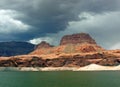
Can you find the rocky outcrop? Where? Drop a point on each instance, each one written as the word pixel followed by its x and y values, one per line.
pixel 43 44
pixel 22 62
pixel 75 50
pixel 64 60
pixel 68 49
pixel 75 43
pixel 77 39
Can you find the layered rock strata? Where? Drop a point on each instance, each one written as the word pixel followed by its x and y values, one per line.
pixel 77 39
pixel 75 50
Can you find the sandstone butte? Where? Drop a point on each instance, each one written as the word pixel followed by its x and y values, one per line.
pixel 75 50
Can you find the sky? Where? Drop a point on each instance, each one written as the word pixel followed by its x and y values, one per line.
pixel 48 20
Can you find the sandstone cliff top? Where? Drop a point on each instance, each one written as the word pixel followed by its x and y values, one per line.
pixel 77 39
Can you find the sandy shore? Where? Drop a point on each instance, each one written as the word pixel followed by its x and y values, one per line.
pixel 91 67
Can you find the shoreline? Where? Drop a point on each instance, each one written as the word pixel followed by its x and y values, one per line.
pixel 91 67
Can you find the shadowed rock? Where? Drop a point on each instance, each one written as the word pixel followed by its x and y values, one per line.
pixel 77 39
pixel 43 44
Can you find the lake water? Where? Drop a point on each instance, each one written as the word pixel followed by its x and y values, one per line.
pixel 60 79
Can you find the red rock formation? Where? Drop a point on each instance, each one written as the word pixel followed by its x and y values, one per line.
pixel 43 44
pixel 77 39
pixel 105 58
pixel 76 43
pixel 74 50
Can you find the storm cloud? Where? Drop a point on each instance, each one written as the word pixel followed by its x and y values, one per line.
pixel 49 20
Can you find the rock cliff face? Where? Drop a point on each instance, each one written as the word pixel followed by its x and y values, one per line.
pixel 71 60
pixel 77 39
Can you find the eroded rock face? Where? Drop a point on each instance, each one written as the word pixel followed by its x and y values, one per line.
pixel 43 44
pixel 77 39
pixel 76 43
pixel 76 60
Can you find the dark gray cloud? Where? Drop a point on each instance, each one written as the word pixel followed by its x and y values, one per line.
pixel 29 19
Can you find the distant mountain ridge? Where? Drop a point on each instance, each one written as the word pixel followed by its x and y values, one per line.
pixel 15 48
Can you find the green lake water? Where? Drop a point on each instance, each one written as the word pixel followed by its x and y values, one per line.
pixel 60 79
